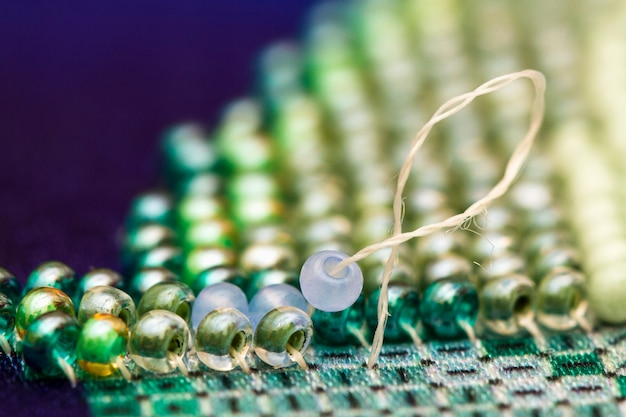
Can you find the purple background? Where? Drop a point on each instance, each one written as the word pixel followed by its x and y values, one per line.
pixel 85 90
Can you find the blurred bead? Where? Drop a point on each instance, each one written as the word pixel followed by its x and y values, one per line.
pixel 203 258
pixel 447 307
pixel 274 296
pixel 403 308
pixel 561 298
pixel 205 184
pixel 326 291
pixel 146 278
pixel 541 242
pixel 102 344
pixel 158 341
pixel 151 207
pixel 52 274
pixel 148 236
pixel 187 151
pixel 567 257
pixel 256 211
pixel 279 333
pixel 223 339
pixel 99 277
pixel 211 232
pixel 492 244
pixel 166 256
pixel 330 228
pixel 107 300
pixel 264 256
pixel 448 267
pixel 252 185
pixel 438 245
pixel 194 208
pixel 507 301
pixel 217 275
pixel 175 297
pixel 222 295
pixel 251 152
pixel 342 327
pixel 10 286
pixel 40 301
pixel 49 345
pixel 7 323
pixel 276 234
pixel 503 264
pixel 269 277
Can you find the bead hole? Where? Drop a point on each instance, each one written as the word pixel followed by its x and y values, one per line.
pixel 176 345
pixel 184 311
pixel 238 343
pixel 521 307
pixel 297 340
pixel 330 264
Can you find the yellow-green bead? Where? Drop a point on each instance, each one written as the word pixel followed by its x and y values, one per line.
pixel 158 341
pixel 175 297
pixel 216 275
pixel 101 344
pixel 194 208
pixel 52 274
pixel 166 256
pixel 262 279
pixel 506 302
pixel 205 184
pixel 10 286
pixel 264 256
pixel 38 302
pixel 108 300
pixel 206 257
pixel 449 267
pixel 561 296
pixel 149 236
pixel 151 207
pixel 259 210
pixel 560 257
pixel 145 278
pixel 210 232
pixel 187 152
pixel 222 331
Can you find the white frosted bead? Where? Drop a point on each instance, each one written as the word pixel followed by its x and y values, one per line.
pixel 216 296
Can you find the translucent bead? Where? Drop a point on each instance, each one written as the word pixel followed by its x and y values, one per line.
pixel 158 341
pixel 223 339
pixel 274 296
pixel 102 345
pixel 282 336
pixel 437 245
pixel 561 299
pixel 262 279
pixel 10 286
pixel 175 297
pixel 167 256
pixel 449 267
pixel 210 232
pixel 40 301
pixel 506 303
pixel 107 300
pixel 341 327
pixel 205 184
pixel 207 257
pixel 556 258
pixel 7 323
pixel 52 274
pixel 50 343
pixel 216 275
pixel 96 278
pixel 404 312
pixel 222 295
pixel 187 151
pixel 146 278
pixel 328 292
pixel 148 236
pixel 448 307
pixel 194 208
pixel 259 210
pixel 151 207
pixel 492 244
pixel 263 256
pixel 504 264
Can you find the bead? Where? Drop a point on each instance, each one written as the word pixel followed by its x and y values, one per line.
pixel 269 277
pixel 267 233
pixel 205 184
pixel 282 336
pixel 341 327
pixel 448 307
pixel 107 300
pixel 252 212
pixel 262 256
pixel 151 207
pixel 187 151
pixel 252 185
pixel 437 245
pixel 561 299
pixel 216 275
pixel 223 338
pixel 52 274
pixel 98 277
pixel 146 278
pixel 148 236
pixel 39 301
pixel 506 302
pixel 102 345
pixel 175 297
pixel 7 323
pixel 222 295
pixel 50 343
pixel 10 286
pixel 449 267
pixel 203 258
pixel 492 244
pixel 504 264
pixel 403 308
pixel 555 258
pixel 194 208
pixel 275 296
pixel 166 256
pixel 328 292
pixel 210 232
pixel 158 341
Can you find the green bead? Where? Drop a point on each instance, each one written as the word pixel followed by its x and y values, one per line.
pixel 187 152
pixel 268 277
pixel 98 277
pixel 279 328
pixel 541 242
pixel 449 267
pixel 206 257
pixel 38 302
pixel 447 306
pixel 210 232
pixel 506 303
pixel 252 185
pixel 52 274
pixel 223 333
pixel 205 184
pixel 259 210
pixel 251 152
pixel 10 286
pixel 560 257
pixel 151 207
pixel 102 344
pixel 7 322
pixel 263 256
pixel 341 327
pixel 216 275
pixel 107 300
pixel 158 341
pixel 194 208
pixel 166 256
pixel 146 278
pixel 437 245
pixel 50 341
pixel 175 297
pixel 403 308
pixel 561 297
pixel 148 236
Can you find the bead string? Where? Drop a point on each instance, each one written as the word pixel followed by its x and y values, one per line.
pixel 512 170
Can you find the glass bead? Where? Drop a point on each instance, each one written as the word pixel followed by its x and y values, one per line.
pixel 148 236
pixel 561 298
pixel 107 300
pixel 197 207
pixel 491 244
pixel 434 246
pixel 263 256
pixel 207 257
pixel 274 296
pixel 205 184
pixel 252 212
pixel 506 302
pixel 49 345
pixel 167 256
pixel 504 264
pixel 222 295
pixel 252 152
pixel 252 185
pixel 341 327
pixel 171 296
pixel 330 228
pixel 98 277
pixel 40 301
pixel 447 307
pixel 210 232
pixel 269 277
pixel 449 267
pixel 558 257
pixel 10 286
pixel 146 278
pixel 102 344
pixel 223 339
pixel 328 292
pixel 7 323
pixel 158 341
pixel 403 308
pixel 541 242
pixel 151 207
pixel 280 333
pixel 52 274
pixel 187 151
pixel 219 274
pixel 276 234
